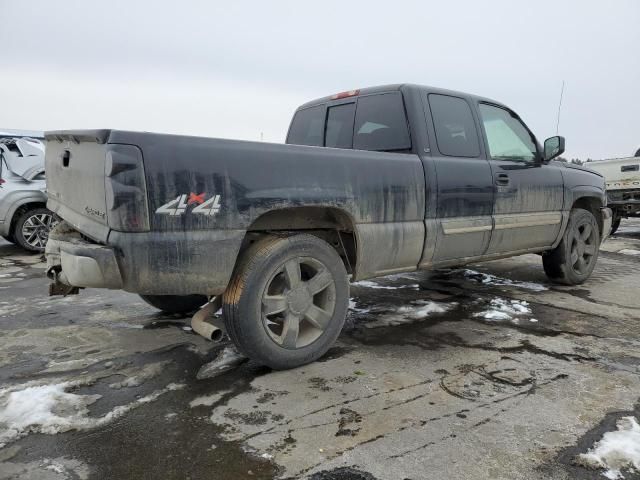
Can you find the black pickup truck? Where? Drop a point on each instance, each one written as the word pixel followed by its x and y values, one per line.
pixel 371 182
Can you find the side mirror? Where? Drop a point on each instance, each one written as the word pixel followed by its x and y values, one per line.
pixel 553 147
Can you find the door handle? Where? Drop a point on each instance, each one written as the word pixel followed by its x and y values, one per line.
pixel 502 179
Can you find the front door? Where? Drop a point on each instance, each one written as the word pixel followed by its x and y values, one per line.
pixel 528 201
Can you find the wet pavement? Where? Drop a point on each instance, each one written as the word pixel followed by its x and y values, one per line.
pixel 483 372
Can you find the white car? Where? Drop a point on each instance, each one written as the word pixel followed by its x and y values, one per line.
pixel 24 218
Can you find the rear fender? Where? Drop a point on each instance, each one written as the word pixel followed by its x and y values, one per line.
pixel 10 204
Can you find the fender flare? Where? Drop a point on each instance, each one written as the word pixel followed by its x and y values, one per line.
pixel 580 191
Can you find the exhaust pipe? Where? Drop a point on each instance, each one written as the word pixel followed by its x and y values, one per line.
pixel 202 327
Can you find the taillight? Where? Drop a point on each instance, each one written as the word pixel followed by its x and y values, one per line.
pixel 350 93
pixel 125 189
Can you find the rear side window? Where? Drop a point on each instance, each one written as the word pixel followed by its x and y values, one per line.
pixel 456 132
pixel 381 123
pixel 307 127
pixel 339 132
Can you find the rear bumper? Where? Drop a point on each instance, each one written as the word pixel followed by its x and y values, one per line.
pixel 73 261
pixel 149 263
pixel 607 218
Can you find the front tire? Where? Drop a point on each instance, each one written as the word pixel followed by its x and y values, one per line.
pixel 31 230
pixel 287 300
pixel 573 260
pixel 175 303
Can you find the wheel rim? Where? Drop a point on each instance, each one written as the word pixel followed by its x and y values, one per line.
pixel 298 302
pixel 583 247
pixel 36 228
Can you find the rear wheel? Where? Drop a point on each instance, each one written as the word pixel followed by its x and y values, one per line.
pixel 175 303
pixel 573 260
pixel 31 229
pixel 287 301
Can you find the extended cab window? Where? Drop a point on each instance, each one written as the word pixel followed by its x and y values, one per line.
pixel 307 127
pixel 507 137
pixel 339 132
pixel 381 123
pixel 456 132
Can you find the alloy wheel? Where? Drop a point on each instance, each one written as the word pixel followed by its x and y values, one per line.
pixel 583 247
pixel 298 302
pixel 36 228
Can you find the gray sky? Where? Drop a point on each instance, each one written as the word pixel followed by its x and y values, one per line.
pixel 238 68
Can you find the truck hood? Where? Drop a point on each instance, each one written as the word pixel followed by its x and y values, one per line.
pixel 23 157
pixel 581 167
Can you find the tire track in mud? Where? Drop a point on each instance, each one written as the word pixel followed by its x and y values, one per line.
pixel 519 395
pixel 461 413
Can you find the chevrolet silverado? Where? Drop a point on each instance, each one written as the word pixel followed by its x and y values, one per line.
pixel 370 182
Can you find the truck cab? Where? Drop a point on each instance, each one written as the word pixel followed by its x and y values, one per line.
pixel 489 189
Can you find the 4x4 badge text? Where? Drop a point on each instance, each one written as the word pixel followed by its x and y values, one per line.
pixel 180 204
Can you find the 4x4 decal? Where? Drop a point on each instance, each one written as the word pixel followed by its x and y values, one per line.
pixel 179 205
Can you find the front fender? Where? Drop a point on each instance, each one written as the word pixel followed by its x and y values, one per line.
pixel 589 191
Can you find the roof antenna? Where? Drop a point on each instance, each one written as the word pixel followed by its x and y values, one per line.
pixel 559 107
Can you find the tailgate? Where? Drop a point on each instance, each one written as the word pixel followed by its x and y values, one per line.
pixel 94 185
pixel 623 173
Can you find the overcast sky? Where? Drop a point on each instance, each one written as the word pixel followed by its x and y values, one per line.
pixel 238 69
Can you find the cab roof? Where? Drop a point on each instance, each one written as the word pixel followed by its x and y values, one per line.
pixel 399 87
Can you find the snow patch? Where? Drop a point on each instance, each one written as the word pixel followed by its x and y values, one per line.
pixel 146 373
pixel 207 400
pixel 353 306
pixel 616 451
pixel 425 308
pixel 53 408
pixel 370 284
pixel 504 309
pixel 55 467
pixel 418 310
pixel 488 279
pixel 226 360
pixel 402 276
pixel 629 251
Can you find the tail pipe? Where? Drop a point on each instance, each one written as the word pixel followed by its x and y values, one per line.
pixel 202 321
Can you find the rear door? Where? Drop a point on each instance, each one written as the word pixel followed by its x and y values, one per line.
pixel 391 229
pixel 462 223
pixel 528 204
pixel 380 125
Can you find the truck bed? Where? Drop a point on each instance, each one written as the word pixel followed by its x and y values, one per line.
pixel 378 190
